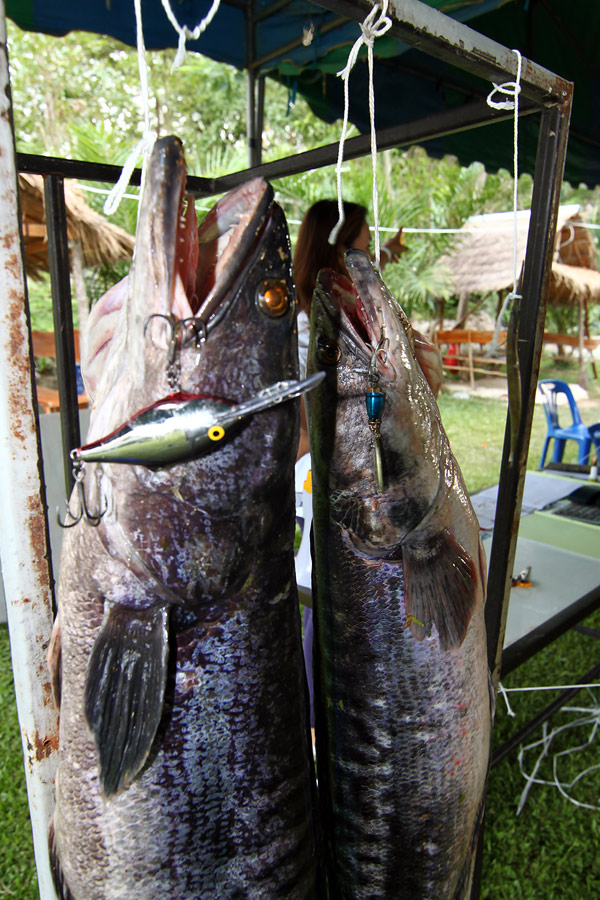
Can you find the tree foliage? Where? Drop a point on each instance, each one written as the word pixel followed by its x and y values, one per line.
pixel 79 96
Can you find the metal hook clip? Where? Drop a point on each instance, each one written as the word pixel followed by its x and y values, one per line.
pixel 84 512
pixel 375 398
pixel 378 353
pixel 199 330
pixel 175 325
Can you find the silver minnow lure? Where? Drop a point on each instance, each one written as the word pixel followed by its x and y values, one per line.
pixel 182 427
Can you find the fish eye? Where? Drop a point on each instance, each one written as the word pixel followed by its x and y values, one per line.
pixel 273 298
pixel 328 352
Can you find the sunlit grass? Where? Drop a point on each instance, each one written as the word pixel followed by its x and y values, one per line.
pixel 550 849
pixel 476 426
pixel 17 868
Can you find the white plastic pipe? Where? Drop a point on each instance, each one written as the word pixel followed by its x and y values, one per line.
pixel 23 533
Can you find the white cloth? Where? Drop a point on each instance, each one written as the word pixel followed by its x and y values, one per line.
pixel 303 324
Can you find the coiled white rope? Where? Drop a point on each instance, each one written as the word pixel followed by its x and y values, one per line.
pixel 509 89
pixel 588 716
pixel 144 146
pixel 375 25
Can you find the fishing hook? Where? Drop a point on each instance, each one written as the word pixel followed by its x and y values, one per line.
pixel 178 338
pixel 84 513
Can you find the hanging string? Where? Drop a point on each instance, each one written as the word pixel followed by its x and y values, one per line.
pixel 186 33
pixel 509 89
pixel 144 146
pixel 550 687
pixel 375 25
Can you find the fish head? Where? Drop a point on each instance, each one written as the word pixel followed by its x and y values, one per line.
pixel 388 484
pixel 207 311
pixel 363 341
pixel 184 276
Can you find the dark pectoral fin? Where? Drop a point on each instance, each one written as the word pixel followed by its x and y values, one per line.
pixel 124 690
pixel 441 586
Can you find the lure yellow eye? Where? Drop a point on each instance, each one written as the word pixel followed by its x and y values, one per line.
pixel 328 353
pixel 273 298
pixel 216 432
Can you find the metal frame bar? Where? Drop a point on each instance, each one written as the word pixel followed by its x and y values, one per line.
pixel 430 31
pixel 60 280
pixel 552 146
pixel 472 115
pixel 24 541
pixel 526 647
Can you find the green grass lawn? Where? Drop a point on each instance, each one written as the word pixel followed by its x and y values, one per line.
pixel 550 850
pixel 17 868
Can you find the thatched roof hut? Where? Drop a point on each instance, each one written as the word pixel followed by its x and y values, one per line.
pixel 482 262
pixel 100 240
pixel 482 259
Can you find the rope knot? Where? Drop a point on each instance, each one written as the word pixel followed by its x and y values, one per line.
pixel 375 25
pixel 509 89
pixel 185 33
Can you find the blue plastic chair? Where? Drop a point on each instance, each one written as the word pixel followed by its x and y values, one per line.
pixel 595 433
pixel 577 431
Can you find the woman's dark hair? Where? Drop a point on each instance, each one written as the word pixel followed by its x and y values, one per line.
pixel 314 252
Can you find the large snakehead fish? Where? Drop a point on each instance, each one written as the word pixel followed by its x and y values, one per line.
pixel 401 677
pixel 185 767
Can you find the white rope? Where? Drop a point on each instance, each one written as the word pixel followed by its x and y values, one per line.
pixel 144 146
pixel 503 691
pixel 375 25
pixel 509 89
pixel 186 33
pixel 590 717
pixel 551 687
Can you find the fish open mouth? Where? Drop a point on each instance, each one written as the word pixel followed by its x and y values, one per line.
pixel 343 302
pixel 211 256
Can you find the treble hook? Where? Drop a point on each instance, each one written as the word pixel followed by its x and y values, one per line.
pixel 84 512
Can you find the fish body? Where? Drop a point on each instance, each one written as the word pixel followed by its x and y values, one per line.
pixel 402 709
pixel 185 765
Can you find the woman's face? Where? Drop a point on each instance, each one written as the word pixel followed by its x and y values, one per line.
pixel 363 241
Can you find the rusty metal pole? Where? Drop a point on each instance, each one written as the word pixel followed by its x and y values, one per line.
pixel 24 548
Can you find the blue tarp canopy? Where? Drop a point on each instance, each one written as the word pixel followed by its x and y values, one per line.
pixel 304 45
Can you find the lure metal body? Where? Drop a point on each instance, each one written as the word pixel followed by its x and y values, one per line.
pixel 182 427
